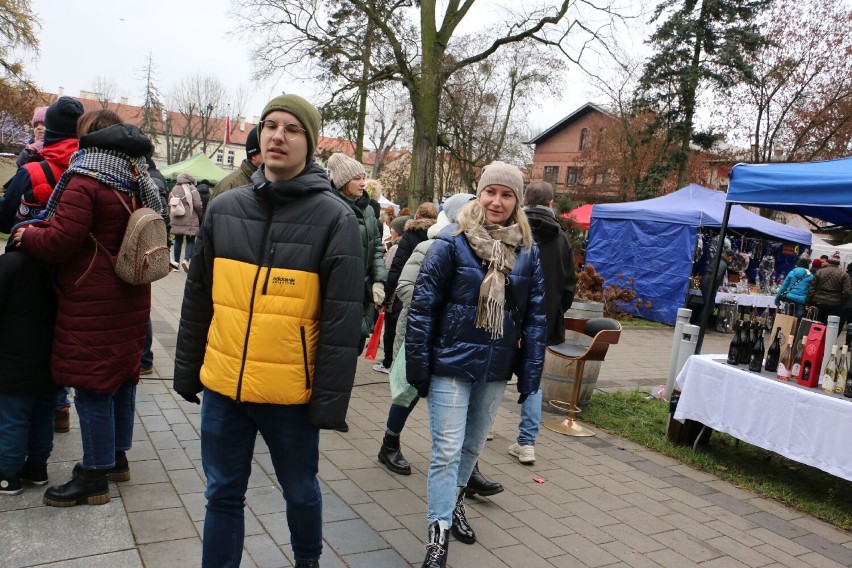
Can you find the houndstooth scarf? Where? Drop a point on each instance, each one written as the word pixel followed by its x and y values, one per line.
pixel 110 167
pixel 496 245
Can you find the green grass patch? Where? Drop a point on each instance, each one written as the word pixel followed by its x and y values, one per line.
pixel 639 322
pixel 630 415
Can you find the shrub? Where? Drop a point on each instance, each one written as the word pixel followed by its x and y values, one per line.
pixel 615 297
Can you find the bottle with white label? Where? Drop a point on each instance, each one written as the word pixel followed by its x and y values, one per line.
pixel 786 361
pixel 842 370
pixel 829 375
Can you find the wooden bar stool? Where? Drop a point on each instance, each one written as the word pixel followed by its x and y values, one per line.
pixel 604 332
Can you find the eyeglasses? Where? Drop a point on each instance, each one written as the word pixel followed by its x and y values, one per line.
pixel 291 131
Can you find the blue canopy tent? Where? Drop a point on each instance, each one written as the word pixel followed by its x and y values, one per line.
pixel 818 189
pixel 653 242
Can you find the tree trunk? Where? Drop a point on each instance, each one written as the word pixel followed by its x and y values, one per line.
pixel 689 95
pixel 362 93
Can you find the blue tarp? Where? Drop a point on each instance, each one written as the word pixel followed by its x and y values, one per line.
pixel 817 189
pixel 653 242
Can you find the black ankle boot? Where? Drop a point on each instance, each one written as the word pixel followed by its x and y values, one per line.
pixel 88 486
pixel 436 548
pixel 307 564
pixel 119 472
pixel 478 484
pixel 461 529
pixel 392 457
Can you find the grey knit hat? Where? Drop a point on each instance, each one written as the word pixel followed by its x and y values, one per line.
pixel 343 169
pixel 453 205
pixel 501 173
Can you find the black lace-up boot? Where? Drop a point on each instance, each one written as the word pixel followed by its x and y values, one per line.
pixel 461 529
pixel 436 548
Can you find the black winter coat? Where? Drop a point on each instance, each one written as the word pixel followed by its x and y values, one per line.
pixel 557 266
pixel 27 319
pixel 415 233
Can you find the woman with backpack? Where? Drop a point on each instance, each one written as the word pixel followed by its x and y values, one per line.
pixel 101 319
pixel 185 213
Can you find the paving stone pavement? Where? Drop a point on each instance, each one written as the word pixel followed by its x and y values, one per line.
pixel 604 501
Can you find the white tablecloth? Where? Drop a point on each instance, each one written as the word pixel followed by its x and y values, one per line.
pixel 802 424
pixel 750 300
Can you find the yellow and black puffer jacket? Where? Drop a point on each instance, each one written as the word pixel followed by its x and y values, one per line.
pixel 272 306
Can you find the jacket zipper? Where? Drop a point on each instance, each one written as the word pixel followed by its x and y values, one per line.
pixel 305 357
pixel 269 268
pixel 251 304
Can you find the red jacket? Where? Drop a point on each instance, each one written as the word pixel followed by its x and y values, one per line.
pixel 101 323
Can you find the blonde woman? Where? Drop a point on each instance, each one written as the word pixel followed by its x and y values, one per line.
pixel 476 317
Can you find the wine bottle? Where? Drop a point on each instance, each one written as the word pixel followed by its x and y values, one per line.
pixel 736 342
pixel 797 359
pixel 786 361
pixel 755 362
pixel 830 372
pixel 847 390
pixel 774 353
pixel 842 370
pixel 744 353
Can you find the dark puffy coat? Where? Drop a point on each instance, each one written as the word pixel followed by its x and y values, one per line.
pixel 27 318
pixel 101 323
pixel 830 286
pixel 374 261
pixel 415 233
pixel 272 306
pixel 237 178
pixel 557 266
pixel 441 338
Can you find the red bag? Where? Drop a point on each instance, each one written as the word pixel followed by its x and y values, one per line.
pixel 373 345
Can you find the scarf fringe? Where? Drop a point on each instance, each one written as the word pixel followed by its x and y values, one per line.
pixel 489 316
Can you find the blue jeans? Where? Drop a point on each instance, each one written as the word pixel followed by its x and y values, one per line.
pixel 106 424
pixel 190 241
pixel 147 354
pixel 530 419
pixel 398 416
pixel 26 431
pixel 228 432
pixel 461 413
pixel 61 397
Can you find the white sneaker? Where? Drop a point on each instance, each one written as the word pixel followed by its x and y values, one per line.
pixel 185 265
pixel 490 436
pixel 525 454
pixel 175 266
pixel 378 367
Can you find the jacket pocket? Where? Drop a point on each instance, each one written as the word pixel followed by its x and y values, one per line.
pixel 305 358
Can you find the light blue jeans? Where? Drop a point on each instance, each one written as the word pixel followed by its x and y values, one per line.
pixel 530 419
pixel 461 413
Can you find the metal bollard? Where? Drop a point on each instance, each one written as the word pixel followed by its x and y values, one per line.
pixel 688 343
pixel 831 331
pixel 683 315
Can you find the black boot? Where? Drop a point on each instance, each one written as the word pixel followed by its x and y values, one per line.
pixel 461 529
pixel 119 472
pixel 436 548
pixel 392 457
pixel 307 564
pixel 88 486
pixel 480 485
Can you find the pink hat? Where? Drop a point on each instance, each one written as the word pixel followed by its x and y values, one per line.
pixel 38 115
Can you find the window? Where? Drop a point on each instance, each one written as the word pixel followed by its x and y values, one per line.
pixel 584 138
pixel 575 176
pixel 551 174
pixel 219 155
pixel 230 157
pixel 601 134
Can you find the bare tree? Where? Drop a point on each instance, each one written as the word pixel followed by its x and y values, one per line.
pixel 151 120
pixel 196 104
pixel 389 121
pixel 18 32
pixel 104 89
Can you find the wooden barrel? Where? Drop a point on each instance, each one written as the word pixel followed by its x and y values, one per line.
pixel 557 381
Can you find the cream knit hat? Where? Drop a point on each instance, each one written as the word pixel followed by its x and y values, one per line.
pixel 501 173
pixel 343 169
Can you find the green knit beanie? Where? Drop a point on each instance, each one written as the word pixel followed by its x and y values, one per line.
pixel 308 116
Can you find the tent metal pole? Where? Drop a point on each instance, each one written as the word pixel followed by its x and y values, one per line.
pixel 709 299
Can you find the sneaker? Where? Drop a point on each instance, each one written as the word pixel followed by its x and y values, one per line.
pixel 10 486
pixel 34 474
pixel 146 370
pixel 185 265
pixel 525 454
pixel 379 368
pixel 490 436
pixel 175 266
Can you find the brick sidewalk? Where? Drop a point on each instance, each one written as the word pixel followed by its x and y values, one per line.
pixel 605 501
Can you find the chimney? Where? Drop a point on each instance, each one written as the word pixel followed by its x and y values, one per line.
pixel 88 95
pixel 61 91
pixel 242 120
pixel 125 101
pixel 255 119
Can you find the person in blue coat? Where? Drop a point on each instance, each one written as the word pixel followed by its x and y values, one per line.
pixel 794 289
pixel 477 316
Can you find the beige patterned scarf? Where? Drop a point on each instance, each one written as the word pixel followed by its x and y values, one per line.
pixel 495 245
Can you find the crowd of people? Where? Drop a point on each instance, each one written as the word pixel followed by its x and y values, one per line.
pixel 288 265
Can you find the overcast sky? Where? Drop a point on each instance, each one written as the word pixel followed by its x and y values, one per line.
pixel 84 39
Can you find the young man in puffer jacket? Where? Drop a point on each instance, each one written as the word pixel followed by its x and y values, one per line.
pixel 269 329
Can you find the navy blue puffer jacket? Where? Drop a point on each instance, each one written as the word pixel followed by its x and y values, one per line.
pixel 442 339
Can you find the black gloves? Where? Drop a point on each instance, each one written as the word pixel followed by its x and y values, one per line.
pixel 190 397
pixel 522 398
